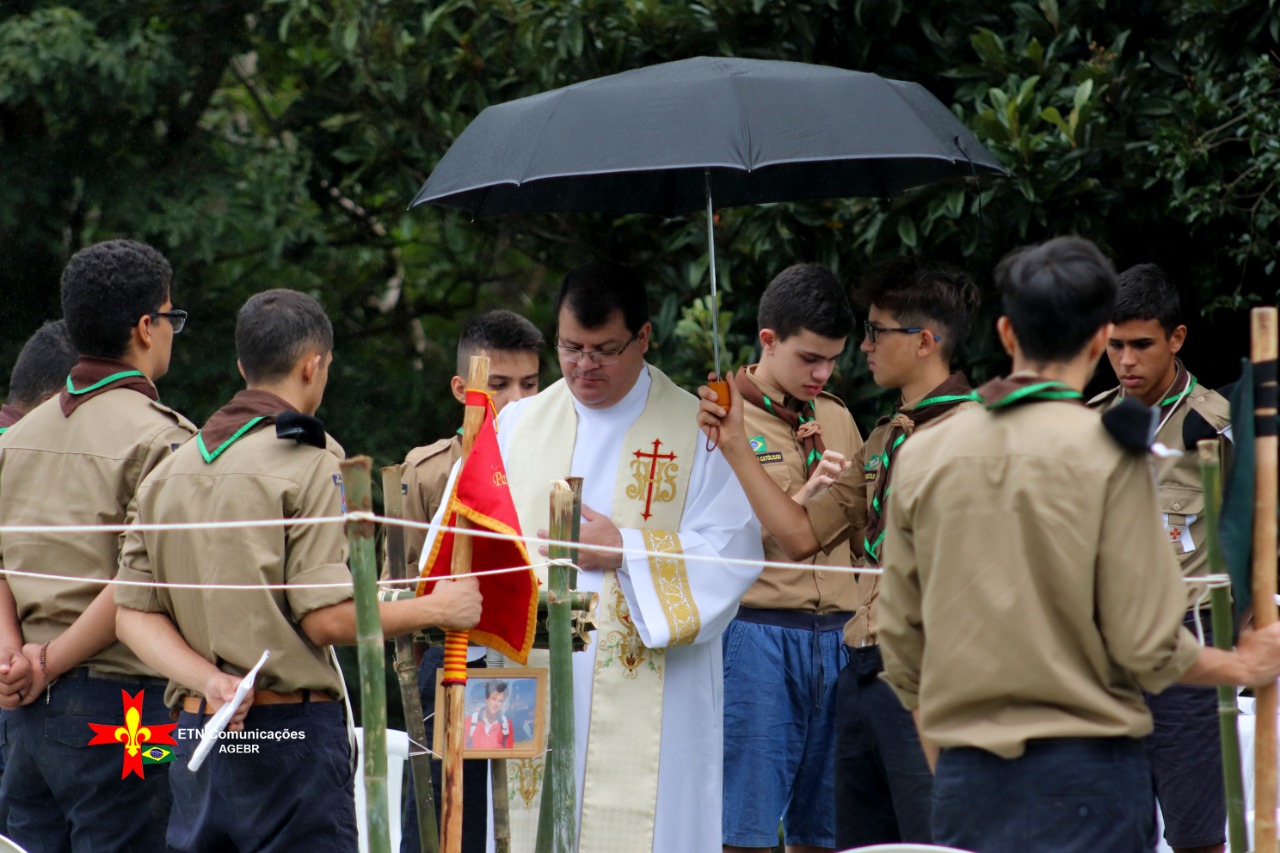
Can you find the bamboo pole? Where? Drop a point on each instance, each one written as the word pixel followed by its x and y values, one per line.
pixel 1220 604
pixel 456 642
pixel 356 476
pixel 557 817
pixel 1263 354
pixel 407 673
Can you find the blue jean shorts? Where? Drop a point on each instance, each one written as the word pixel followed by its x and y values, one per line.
pixel 779 733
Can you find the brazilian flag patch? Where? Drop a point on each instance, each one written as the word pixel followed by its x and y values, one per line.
pixel 757 443
pixel 157 755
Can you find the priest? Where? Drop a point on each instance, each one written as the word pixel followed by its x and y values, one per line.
pixel 648 709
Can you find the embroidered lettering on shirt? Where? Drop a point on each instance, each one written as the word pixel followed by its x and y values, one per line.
pixel 771 456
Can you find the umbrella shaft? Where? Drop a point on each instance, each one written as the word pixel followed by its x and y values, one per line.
pixel 715 301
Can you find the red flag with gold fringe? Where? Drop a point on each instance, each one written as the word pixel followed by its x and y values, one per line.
pixel 481 495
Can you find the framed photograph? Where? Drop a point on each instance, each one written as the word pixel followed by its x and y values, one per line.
pixel 503 713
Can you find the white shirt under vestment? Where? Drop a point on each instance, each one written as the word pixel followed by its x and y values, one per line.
pixel 717 523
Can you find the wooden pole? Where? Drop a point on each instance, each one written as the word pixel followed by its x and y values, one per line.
pixel 407 673
pixel 1263 354
pixel 455 649
pixel 557 818
pixel 1220 603
pixel 356 476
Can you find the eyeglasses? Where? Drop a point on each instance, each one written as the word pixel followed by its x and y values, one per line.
pixel 601 357
pixel 177 319
pixel 872 331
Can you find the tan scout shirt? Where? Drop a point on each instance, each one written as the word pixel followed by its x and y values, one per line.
pixel 861 629
pixel 257 477
pixel 1178 486
pixel 78 470
pixel 835 515
pixel 1028 590
pixel 425 473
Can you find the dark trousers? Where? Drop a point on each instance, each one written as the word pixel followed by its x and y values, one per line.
pixel 1068 795
pixel 62 794
pixel 475 773
pixel 883 784
pixel 295 791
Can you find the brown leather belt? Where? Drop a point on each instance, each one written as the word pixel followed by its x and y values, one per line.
pixel 197 704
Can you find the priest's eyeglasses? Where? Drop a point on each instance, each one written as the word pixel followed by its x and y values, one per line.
pixel 177 319
pixel 872 331
pixel 601 357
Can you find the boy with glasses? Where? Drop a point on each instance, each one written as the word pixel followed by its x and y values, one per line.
pixel 78 460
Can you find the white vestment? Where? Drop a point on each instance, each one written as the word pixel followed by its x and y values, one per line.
pixel 717 522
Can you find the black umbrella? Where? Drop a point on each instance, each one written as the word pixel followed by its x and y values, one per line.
pixel 668 138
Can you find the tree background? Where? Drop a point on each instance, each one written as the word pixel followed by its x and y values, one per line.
pixel 276 143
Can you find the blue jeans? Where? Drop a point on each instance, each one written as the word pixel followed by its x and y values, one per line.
pixel 296 791
pixel 64 795
pixel 884 788
pixel 779 710
pixel 1068 795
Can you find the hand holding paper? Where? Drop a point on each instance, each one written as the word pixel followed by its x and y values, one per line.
pixel 218 722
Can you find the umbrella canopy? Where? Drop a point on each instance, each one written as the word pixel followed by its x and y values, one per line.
pixel 646 141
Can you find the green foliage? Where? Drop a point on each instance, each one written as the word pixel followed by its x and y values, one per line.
pixel 265 143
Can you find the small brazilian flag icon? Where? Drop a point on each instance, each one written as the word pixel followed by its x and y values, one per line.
pixel 157 755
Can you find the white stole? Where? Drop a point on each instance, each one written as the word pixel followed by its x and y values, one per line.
pixel 620 784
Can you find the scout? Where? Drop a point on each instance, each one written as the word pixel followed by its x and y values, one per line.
pixel 40 371
pixel 77 460
pixel 1029 596
pixel 262 456
pixel 919 313
pixel 1185 750
pixel 783 650
pixel 512 345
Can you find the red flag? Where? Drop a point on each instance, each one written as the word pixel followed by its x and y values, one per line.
pixel 481 495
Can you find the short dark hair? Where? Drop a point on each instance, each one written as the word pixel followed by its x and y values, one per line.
pixel 1147 293
pixel 805 296
pixel 595 290
pixel 1057 295
pixel 277 327
pixel 107 288
pixel 497 331
pixel 924 293
pixel 492 687
pixel 42 366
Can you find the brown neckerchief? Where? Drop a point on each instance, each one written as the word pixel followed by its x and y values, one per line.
pixel 800 416
pixel 92 376
pixel 1025 387
pixel 237 413
pixel 938 402
pixel 9 415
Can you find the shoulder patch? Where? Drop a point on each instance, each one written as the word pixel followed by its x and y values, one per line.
pixel 342 490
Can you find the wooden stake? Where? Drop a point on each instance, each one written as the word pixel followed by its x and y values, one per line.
pixel 455 694
pixel 557 832
pixel 356 477
pixel 1263 353
pixel 407 673
pixel 1220 604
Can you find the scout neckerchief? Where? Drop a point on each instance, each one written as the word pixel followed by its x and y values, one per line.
pixel 624 730
pixel 92 376
pixel 251 408
pixel 1000 394
pixel 800 416
pixel 9 415
pixel 938 402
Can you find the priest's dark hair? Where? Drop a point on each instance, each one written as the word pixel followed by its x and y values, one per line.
pixel 805 296
pixel 1057 295
pixel 497 331
pixel 924 293
pixel 1147 293
pixel 277 327
pixel 107 288
pixel 42 366
pixel 593 291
